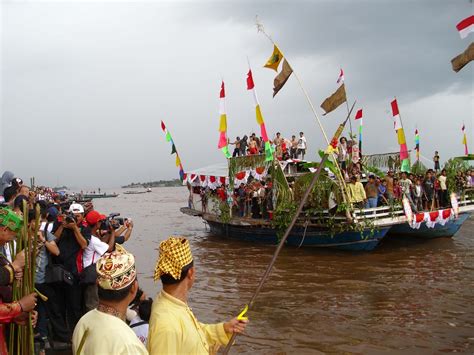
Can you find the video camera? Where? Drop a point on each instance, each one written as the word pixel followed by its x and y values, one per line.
pixel 113 220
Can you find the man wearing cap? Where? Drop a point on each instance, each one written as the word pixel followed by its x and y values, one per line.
pixel 173 327
pixel 94 250
pixel 107 332
pixel 71 237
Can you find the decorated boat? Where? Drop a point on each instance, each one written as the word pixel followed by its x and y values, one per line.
pixel 316 227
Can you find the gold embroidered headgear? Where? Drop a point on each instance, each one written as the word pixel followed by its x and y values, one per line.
pixel 116 270
pixel 10 219
pixel 175 254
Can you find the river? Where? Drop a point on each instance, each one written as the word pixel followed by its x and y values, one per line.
pixel 407 296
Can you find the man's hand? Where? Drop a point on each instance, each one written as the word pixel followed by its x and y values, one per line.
pixel 28 303
pixel 18 264
pixel 235 326
pixel 70 225
pixel 22 319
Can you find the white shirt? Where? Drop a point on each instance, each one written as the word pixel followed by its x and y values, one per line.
pixel 140 330
pixel 50 227
pixel 94 250
pixel 442 182
pixel 302 143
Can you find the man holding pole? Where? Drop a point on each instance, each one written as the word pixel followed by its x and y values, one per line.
pixel 173 327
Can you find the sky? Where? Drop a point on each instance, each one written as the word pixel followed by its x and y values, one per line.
pixel 85 84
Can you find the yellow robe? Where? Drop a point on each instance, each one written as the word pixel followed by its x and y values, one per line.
pixel 107 335
pixel 175 330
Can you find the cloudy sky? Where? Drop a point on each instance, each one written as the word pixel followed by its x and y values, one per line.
pixel 86 83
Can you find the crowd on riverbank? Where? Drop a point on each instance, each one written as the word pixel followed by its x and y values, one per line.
pixel 90 281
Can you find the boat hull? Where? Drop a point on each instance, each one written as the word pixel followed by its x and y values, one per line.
pixel 439 231
pixel 309 237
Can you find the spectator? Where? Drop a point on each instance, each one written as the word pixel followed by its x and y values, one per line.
pixel 357 194
pixel 72 236
pixel 301 146
pixel 139 324
pixel 371 192
pixel 443 191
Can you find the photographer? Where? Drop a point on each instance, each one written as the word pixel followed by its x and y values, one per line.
pixel 94 250
pixel 72 236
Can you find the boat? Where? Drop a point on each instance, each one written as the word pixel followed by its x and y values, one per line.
pixel 94 196
pixel 134 192
pixel 321 229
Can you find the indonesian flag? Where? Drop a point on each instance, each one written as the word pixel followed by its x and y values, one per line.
pixel 466 26
pixel 358 114
pixel 341 77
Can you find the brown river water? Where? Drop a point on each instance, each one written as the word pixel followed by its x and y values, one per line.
pixel 407 296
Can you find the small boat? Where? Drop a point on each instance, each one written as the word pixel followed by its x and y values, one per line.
pixel 134 192
pixel 93 196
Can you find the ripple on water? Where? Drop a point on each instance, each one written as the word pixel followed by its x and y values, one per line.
pixel 408 296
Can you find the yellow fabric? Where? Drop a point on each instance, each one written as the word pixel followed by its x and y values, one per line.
pixel 175 330
pixel 464 139
pixel 175 253
pixel 356 192
pixel 107 335
pixel 178 161
pixel 401 136
pixel 223 123
pixel 116 270
pixel 274 61
pixel 259 115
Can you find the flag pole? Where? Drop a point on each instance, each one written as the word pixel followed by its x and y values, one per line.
pixel 347 105
pixel 260 28
pixel 315 178
pixel 339 175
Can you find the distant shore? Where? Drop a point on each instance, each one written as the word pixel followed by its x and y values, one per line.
pixel 159 183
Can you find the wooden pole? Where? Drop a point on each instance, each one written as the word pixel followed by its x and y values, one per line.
pixel 290 227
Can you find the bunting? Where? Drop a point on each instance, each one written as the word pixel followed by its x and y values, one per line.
pixel 223 143
pixel 263 131
pixel 397 125
pixel 173 150
pixel 417 144
pixel 273 63
pixel 464 139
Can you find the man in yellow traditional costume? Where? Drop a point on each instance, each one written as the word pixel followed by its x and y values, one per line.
pixel 173 327
pixel 107 332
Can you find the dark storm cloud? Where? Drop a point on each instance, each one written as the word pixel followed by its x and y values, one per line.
pixel 85 84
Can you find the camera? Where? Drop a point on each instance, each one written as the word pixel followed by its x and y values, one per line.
pixel 70 218
pixel 112 220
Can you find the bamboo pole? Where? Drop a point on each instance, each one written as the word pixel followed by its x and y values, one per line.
pixel 339 176
pixel 290 227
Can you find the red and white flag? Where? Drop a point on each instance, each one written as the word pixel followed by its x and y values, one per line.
pixel 358 114
pixel 466 26
pixel 341 77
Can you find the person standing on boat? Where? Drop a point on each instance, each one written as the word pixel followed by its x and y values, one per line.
pixel 342 153
pixel 443 189
pixel 389 180
pixel 236 152
pixel 436 162
pixel 406 186
pixel 371 192
pixel 302 145
pixel 241 198
pixel 293 147
pixel 173 327
pixel 277 142
pixel 428 190
pixel 107 332
pixel 357 194
pixel 243 146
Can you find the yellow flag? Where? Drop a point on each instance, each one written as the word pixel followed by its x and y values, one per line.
pixel 259 115
pixel 178 161
pixel 274 61
pixel 464 139
pixel 401 136
pixel 223 123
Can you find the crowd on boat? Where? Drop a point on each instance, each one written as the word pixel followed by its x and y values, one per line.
pixel 294 148
pixel 90 281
